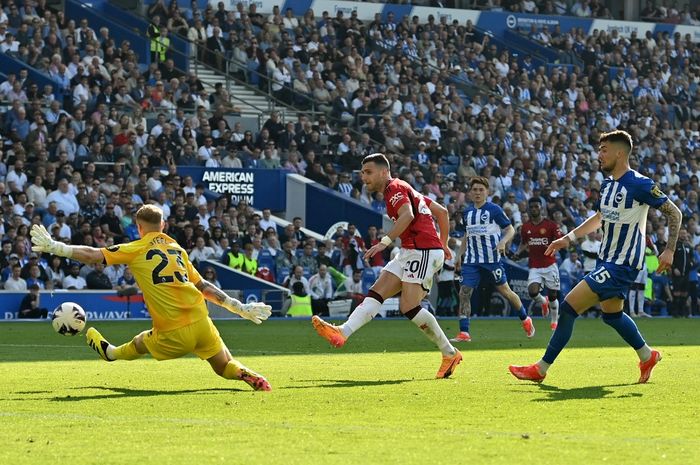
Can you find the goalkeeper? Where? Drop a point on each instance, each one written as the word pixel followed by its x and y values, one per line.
pixel 174 293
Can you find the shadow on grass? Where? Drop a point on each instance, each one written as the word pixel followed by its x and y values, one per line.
pixel 555 394
pixel 348 383
pixel 120 393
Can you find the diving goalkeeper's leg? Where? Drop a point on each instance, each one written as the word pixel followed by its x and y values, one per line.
pixel 229 368
pixel 129 351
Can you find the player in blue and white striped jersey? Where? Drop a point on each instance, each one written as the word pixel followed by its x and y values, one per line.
pixel 487 231
pixel 622 210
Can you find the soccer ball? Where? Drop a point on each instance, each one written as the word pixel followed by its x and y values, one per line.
pixel 68 319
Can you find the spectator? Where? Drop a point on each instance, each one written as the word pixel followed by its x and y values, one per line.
pixel 250 264
pixel 590 248
pixel 65 201
pixel 297 275
pixel 97 279
pixel 201 251
pixel 74 280
pixel 126 281
pixel 321 288
pixel 307 260
pixel 299 303
pixel 31 305
pixel 55 271
pixel 15 283
pixel 573 266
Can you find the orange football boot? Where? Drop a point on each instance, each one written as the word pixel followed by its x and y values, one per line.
pixel 329 332
pixel 449 364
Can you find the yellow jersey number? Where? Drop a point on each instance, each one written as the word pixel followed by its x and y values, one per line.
pixel 180 275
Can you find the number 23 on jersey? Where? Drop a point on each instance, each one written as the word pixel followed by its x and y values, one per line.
pixel 164 259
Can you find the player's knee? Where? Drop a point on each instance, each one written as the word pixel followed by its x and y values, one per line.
pixel 533 291
pixel 465 292
pixel 139 343
pixel 553 295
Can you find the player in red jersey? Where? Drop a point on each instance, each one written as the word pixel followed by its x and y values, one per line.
pixel 411 272
pixel 536 236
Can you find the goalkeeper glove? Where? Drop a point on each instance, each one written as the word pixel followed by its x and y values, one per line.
pixel 255 311
pixel 43 243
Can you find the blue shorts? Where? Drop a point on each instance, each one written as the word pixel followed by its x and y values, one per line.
pixel 472 273
pixel 609 280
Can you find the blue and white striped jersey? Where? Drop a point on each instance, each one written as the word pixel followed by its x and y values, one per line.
pixel 483 232
pixel 624 204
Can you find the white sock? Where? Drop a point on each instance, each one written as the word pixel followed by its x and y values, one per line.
pixel 633 302
pixel 362 315
pixel 640 301
pixel 554 310
pixel 110 352
pixel 644 353
pixel 543 366
pixel 430 327
pixel 538 299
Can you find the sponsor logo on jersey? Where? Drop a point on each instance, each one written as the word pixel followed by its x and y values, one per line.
pixel 610 214
pixel 477 230
pixel 395 198
pixel 538 241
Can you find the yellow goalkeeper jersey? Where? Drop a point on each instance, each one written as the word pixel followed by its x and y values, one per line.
pixel 166 277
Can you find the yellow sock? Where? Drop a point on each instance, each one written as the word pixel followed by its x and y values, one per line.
pixel 125 352
pixel 232 370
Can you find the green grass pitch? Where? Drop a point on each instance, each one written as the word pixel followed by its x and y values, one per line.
pixel 373 402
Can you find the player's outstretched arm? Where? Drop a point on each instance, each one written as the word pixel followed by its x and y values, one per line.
pixel 673 219
pixel 508 235
pixel 402 222
pixel 255 312
pixel 442 216
pixel 43 243
pixel 462 250
pixel 591 224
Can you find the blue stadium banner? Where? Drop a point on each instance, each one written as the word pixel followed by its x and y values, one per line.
pixel 495 22
pixel 260 188
pixel 99 305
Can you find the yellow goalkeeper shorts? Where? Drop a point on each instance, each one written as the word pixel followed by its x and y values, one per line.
pixel 200 338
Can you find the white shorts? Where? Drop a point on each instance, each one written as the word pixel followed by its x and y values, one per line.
pixel 548 277
pixel 417 266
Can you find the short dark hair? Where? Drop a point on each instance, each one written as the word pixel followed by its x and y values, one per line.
pixel 479 180
pixel 378 159
pixel 535 200
pixel 618 137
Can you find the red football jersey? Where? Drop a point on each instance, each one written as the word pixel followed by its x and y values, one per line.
pixel 537 237
pixel 421 233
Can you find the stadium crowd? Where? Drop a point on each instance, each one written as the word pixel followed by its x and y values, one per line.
pixel 672 12
pixel 443 100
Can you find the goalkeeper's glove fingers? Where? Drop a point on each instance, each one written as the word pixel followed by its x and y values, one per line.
pixel 42 242
pixel 256 312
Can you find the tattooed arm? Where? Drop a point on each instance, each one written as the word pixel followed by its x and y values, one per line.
pixel 213 293
pixel 673 218
pixel 255 311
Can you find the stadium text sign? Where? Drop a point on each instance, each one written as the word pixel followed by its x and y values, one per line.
pixel 260 188
pixel 240 185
